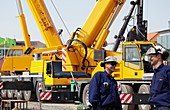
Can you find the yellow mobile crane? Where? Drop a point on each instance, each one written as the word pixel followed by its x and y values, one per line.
pixel 47 28
pixel 67 77
pixel 83 53
pixel 100 19
pixel 24 54
pixel 14 53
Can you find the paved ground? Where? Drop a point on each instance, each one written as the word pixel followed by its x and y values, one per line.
pixel 46 106
pixel 52 106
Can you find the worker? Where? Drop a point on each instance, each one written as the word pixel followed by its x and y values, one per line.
pixel 160 86
pixel 103 91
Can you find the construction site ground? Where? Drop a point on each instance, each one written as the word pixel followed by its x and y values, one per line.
pixel 47 106
pixel 52 106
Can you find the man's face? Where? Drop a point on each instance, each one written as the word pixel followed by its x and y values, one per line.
pixel 154 59
pixel 110 67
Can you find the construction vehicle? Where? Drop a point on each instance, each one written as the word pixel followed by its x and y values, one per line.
pixel 103 22
pixel 50 35
pixel 5 44
pixel 24 54
pixel 15 52
pixel 67 76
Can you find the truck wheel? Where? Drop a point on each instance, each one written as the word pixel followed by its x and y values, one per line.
pixel 19 95
pixel 124 90
pixel 4 93
pixel 86 95
pixel 28 95
pixel 10 93
pixel 130 90
pixel 37 89
pixel 144 89
pixel 127 89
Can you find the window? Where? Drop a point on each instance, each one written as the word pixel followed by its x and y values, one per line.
pixel 132 57
pixel 15 53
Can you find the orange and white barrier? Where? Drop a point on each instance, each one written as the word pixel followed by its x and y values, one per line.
pixel 126 98
pixel 40 86
pixel 119 87
pixel 63 59
pixel 1 85
pixel 46 95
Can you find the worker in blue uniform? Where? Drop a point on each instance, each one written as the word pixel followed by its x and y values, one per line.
pixel 160 86
pixel 103 91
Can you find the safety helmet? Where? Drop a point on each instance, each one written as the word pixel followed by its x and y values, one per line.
pixel 109 59
pixel 158 49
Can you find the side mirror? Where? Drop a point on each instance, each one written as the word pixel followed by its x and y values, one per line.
pixel 48 69
pixel 146 58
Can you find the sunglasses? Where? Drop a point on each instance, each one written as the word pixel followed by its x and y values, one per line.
pixel 112 63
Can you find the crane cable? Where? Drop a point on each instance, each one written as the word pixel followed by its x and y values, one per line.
pixel 60 17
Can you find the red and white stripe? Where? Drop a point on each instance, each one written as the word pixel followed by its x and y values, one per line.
pixel 39 86
pixel 119 87
pixel 126 98
pixel 46 95
pixel 63 59
pixel 1 85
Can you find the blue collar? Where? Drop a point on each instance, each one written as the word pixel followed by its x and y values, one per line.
pixel 159 68
pixel 107 74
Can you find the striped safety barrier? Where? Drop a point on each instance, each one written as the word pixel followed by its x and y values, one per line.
pixel 63 59
pixel 40 86
pixel 119 87
pixel 126 98
pixel 1 85
pixel 46 95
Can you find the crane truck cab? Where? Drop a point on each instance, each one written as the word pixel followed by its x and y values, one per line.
pixel 17 63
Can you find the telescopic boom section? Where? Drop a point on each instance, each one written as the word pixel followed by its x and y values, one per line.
pixel 45 23
pixel 120 37
pixel 97 20
pixel 23 25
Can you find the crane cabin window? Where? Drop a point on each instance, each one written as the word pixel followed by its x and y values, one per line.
pixel 132 57
pixel 15 52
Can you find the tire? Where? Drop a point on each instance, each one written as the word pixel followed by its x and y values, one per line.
pixel 19 95
pixel 86 95
pixel 28 95
pixel 127 89
pixel 37 89
pixel 4 93
pixel 130 90
pixel 144 89
pixel 10 94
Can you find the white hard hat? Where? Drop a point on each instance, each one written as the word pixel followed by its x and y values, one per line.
pixel 155 50
pixel 158 50
pixel 109 59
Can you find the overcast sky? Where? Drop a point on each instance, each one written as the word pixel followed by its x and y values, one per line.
pixel 74 14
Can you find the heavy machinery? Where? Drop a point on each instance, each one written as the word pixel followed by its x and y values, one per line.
pixel 67 75
pixel 24 54
pixel 109 6
pixel 14 53
pixel 47 28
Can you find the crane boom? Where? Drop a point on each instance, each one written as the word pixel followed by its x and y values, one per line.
pixel 45 23
pixel 120 37
pixel 23 25
pixel 98 18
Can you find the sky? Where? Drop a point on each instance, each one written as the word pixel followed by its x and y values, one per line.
pixel 74 14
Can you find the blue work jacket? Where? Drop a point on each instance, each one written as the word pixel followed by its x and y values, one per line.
pixel 160 87
pixel 103 91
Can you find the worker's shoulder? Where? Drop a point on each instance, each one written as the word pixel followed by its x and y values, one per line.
pixel 167 67
pixel 167 70
pixel 100 74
